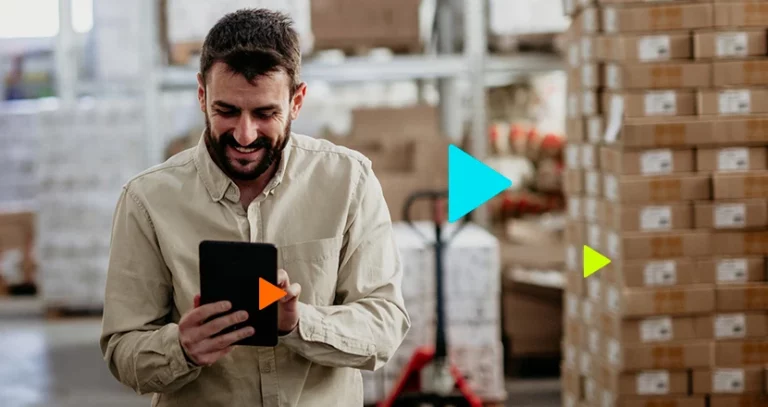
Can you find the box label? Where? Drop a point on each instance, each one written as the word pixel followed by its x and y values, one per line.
pixel 734 102
pixel 594 341
pixel 613 79
pixel 660 103
pixel 586 307
pixel 593 183
pixel 569 7
pixel 593 288
pixel 660 273
pixel 587 156
pixel 572 259
pixel 590 209
pixel 614 352
pixel 653 383
pixel 656 162
pixel 573 105
pixel 590 105
pixel 654 48
pixel 731 44
pixel 730 326
pixel 613 245
pixel 611 187
pixel 570 355
pixel 733 159
pixel 655 218
pixel 588 76
pixel 656 330
pixel 574 208
pixel 608 399
pixel 732 271
pixel 728 381
pixel 573 305
pixel 585 364
pixel 594 125
pixel 586 49
pixel 730 216
pixel 572 156
pixel 612 299
pixel 590 20
pixel 573 55
pixel 609 19
pixel 615 120
pixel 594 237
pixel 569 401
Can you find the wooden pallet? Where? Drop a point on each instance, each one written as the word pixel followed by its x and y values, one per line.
pixel 59 313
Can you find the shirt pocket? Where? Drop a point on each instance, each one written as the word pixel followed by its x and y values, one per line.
pixel 313 264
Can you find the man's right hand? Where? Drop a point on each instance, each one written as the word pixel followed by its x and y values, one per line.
pixel 196 335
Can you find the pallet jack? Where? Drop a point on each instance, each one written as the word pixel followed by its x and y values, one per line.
pixel 429 378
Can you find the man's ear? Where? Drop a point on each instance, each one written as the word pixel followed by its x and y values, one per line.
pixel 201 92
pixel 298 100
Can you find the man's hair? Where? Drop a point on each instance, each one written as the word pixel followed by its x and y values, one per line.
pixel 252 43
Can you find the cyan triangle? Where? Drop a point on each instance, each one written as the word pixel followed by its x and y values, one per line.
pixel 470 183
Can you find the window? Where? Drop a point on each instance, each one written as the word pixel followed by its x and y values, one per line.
pixel 40 18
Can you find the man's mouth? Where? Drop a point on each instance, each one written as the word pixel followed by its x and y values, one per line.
pixel 245 150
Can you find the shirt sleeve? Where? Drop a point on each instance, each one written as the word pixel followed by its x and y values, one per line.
pixel 370 321
pixel 139 342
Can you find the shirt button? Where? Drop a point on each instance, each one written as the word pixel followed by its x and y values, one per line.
pixel 268 368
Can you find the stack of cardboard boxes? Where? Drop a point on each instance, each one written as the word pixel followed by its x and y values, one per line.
pixel 667 177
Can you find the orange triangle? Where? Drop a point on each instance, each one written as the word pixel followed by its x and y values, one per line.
pixel 269 293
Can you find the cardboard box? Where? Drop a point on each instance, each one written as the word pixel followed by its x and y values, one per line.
pixel 646 47
pixel 655 329
pixel 647 162
pixel 657 17
pixel 591 78
pixel 737 325
pixel 733 101
pixel 664 75
pixel 575 210
pixel 731 159
pixel 594 129
pixel 644 246
pixel 652 103
pixel 740 243
pixel 368 23
pixel 747 297
pixel 657 273
pixel 573 182
pixel 728 270
pixel 590 157
pixel 572 155
pixel 410 123
pixel 574 130
pixel 743 214
pixel 587 21
pixel 397 187
pixel 740 73
pixel 730 44
pixel 571 382
pixel 679 355
pixel 638 189
pixel 752 400
pixel 532 312
pixel 644 302
pixel 670 401
pixel 593 183
pixel 655 132
pixel 590 209
pixel 745 185
pixel 652 383
pixel 646 218
pixel 744 14
pixel 741 353
pixel 740 131
pixel 725 381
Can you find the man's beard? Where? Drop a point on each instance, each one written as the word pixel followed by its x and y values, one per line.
pixel 218 151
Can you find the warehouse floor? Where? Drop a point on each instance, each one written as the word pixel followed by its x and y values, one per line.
pixel 58 364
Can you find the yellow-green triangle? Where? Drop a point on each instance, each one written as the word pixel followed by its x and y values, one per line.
pixel 593 261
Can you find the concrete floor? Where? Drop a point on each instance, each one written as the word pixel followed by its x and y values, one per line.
pixel 58 364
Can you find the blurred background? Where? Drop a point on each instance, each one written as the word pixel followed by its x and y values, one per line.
pixel 95 91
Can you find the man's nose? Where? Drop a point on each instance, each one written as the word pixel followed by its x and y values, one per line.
pixel 247 130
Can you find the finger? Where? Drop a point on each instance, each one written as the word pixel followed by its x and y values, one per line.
pixel 219 343
pixel 197 301
pixel 293 292
pixel 282 279
pixel 198 315
pixel 217 325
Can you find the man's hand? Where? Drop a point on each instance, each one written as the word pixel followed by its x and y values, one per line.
pixel 196 335
pixel 288 307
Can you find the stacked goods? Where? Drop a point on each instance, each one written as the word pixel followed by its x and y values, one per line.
pixel 89 151
pixel 670 183
pixel 407 150
pixel 18 160
pixel 17 258
pixel 472 303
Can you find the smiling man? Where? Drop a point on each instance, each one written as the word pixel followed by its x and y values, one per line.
pixel 251 179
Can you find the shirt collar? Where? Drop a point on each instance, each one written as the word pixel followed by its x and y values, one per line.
pixel 218 183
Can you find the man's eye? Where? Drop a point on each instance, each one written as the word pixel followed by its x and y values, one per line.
pixel 267 115
pixel 226 113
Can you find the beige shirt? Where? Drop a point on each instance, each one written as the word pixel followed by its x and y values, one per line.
pixel 325 211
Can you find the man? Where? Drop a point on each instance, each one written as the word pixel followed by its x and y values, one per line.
pixel 251 179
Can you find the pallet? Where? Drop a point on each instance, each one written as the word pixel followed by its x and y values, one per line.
pixel 62 313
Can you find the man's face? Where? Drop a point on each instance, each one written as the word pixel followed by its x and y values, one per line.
pixel 247 123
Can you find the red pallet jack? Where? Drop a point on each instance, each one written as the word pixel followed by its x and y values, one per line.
pixel 429 378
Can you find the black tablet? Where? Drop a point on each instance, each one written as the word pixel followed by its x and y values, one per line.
pixel 230 271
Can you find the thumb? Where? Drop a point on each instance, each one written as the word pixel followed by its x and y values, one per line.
pixel 197 300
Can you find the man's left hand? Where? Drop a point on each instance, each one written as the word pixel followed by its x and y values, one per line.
pixel 288 306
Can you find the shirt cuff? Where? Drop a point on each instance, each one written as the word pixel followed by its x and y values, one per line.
pixel 179 363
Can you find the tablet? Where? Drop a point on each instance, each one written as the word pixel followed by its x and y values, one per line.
pixel 230 271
